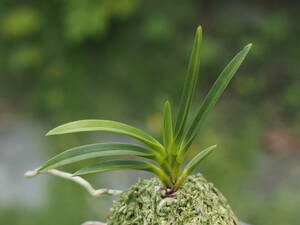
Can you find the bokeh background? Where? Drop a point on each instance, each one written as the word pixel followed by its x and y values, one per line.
pixel 77 59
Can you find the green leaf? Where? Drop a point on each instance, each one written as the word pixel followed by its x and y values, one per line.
pixel 214 94
pixel 96 151
pixel 114 165
pixel 193 163
pixel 189 86
pixel 122 165
pixel 168 127
pixel 109 126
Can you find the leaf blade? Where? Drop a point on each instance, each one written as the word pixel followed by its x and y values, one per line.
pixel 193 163
pixel 97 150
pixel 215 93
pixel 189 86
pixel 108 126
pixel 168 126
pixel 122 165
pixel 114 165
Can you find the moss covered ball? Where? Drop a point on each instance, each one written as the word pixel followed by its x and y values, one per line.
pixel 197 202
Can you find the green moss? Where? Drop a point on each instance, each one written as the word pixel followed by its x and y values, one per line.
pixel 196 202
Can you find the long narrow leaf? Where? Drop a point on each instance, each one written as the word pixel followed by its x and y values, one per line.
pixel 109 126
pixel 122 165
pixel 168 127
pixel 114 165
pixel 96 151
pixel 214 94
pixel 189 86
pixel 193 163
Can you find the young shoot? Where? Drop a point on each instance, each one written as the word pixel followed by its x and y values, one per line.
pixel 165 160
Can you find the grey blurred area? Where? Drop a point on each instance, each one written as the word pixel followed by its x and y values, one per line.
pixel 21 145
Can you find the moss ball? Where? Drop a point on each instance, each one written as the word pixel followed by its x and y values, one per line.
pixel 197 202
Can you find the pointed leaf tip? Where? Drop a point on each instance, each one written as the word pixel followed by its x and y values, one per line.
pixel 48 133
pixel 214 94
pixel 189 87
pixel 199 29
pixel 167 103
pixel 249 45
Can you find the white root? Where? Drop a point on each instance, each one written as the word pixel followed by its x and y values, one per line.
pixel 93 223
pixel 79 180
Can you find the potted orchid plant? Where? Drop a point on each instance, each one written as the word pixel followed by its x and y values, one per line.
pixel 173 196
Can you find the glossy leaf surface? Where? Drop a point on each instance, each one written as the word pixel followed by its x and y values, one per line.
pixel 108 126
pixel 189 86
pixel 95 151
pixel 214 94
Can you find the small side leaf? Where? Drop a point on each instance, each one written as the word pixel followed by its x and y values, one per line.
pixel 95 151
pixel 214 94
pixel 168 127
pixel 189 86
pixel 122 165
pixel 193 163
pixel 108 126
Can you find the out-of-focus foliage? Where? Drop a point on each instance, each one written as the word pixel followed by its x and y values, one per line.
pixel 73 59
pixel 60 53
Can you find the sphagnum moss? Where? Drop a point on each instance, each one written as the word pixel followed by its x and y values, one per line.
pixel 197 202
pixel 192 201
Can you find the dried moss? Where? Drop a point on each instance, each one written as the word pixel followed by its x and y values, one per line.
pixel 197 202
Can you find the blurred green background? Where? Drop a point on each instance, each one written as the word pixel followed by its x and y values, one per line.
pixel 78 59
